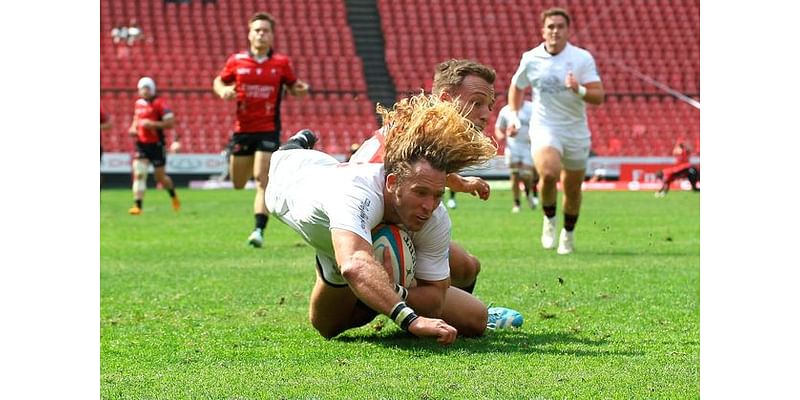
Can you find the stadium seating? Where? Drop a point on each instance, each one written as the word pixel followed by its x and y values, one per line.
pixel 185 45
pixel 631 41
pixel 183 55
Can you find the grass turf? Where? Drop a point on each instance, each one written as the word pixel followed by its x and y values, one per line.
pixel 189 311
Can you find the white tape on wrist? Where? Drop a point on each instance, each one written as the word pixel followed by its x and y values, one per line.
pixel 581 91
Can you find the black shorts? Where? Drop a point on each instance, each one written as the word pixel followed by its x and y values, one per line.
pixel 155 152
pixel 246 144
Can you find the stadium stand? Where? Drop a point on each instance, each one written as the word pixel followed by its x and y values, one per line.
pixel 185 44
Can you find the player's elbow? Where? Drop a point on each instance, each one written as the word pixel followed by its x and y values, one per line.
pixel 354 270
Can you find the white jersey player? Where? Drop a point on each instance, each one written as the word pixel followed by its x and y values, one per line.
pixel 301 195
pixel 563 78
pixel 518 153
pixel 334 207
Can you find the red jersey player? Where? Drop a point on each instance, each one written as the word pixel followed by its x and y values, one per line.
pixel 151 116
pixel 683 169
pixel 256 79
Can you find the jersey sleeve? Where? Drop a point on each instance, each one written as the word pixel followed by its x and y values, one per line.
pixel 371 151
pixel 289 77
pixel 520 78
pixel 432 245
pixel 164 109
pixel 502 119
pixel 228 73
pixel 356 209
pixel 589 70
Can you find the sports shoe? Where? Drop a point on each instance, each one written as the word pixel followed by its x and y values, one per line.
pixel 451 203
pixel 566 242
pixel 176 204
pixel 533 201
pixel 502 318
pixel 549 233
pixel 256 239
pixel 515 209
pixel 305 138
pixel 134 210
pixel 659 194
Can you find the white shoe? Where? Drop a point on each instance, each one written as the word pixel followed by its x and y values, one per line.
pixel 256 239
pixel 533 201
pixel 549 233
pixel 566 242
pixel 451 203
pixel 515 209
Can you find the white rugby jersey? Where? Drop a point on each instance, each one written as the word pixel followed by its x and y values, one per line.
pixel 312 193
pixel 554 105
pixel 523 134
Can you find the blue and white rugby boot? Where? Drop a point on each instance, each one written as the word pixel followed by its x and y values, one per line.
pixel 502 318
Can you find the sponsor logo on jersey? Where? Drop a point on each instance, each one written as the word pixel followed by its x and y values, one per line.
pixel 363 208
pixel 243 71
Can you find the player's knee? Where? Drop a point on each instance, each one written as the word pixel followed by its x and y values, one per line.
pixel 550 177
pixel 327 331
pixel 476 325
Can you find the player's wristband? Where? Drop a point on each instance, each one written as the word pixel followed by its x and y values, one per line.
pixel 403 315
pixel 581 91
pixel 403 292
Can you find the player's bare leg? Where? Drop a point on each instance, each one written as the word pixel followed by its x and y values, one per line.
pixel 515 180
pixel 261 173
pixel 139 168
pixel 548 165
pixel 333 310
pixel 241 169
pixel 571 181
pixel 166 182
pixel 464 312
pixel 464 268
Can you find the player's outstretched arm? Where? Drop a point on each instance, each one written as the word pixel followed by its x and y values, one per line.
pixel 472 184
pixel 298 89
pixel 370 283
pixel 224 91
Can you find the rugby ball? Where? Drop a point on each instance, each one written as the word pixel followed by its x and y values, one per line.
pixel 401 251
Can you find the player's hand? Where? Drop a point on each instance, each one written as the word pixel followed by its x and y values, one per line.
pixel 229 93
pixel 132 132
pixel 511 131
pixel 571 83
pixel 148 124
pixel 513 123
pixel 477 187
pixel 175 147
pixel 433 328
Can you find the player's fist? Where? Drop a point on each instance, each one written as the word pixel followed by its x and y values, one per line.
pixel 228 93
pixel 433 328
pixel 175 147
pixel 570 82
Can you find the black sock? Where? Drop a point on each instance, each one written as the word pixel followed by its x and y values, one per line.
pixel 171 192
pixel 527 192
pixel 570 221
pixel 516 202
pixel 261 221
pixel 549 211
pixel 138 203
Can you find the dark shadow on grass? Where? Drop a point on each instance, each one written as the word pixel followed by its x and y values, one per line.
pixel 505 341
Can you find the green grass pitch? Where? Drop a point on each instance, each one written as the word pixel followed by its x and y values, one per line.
pixel 189 311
